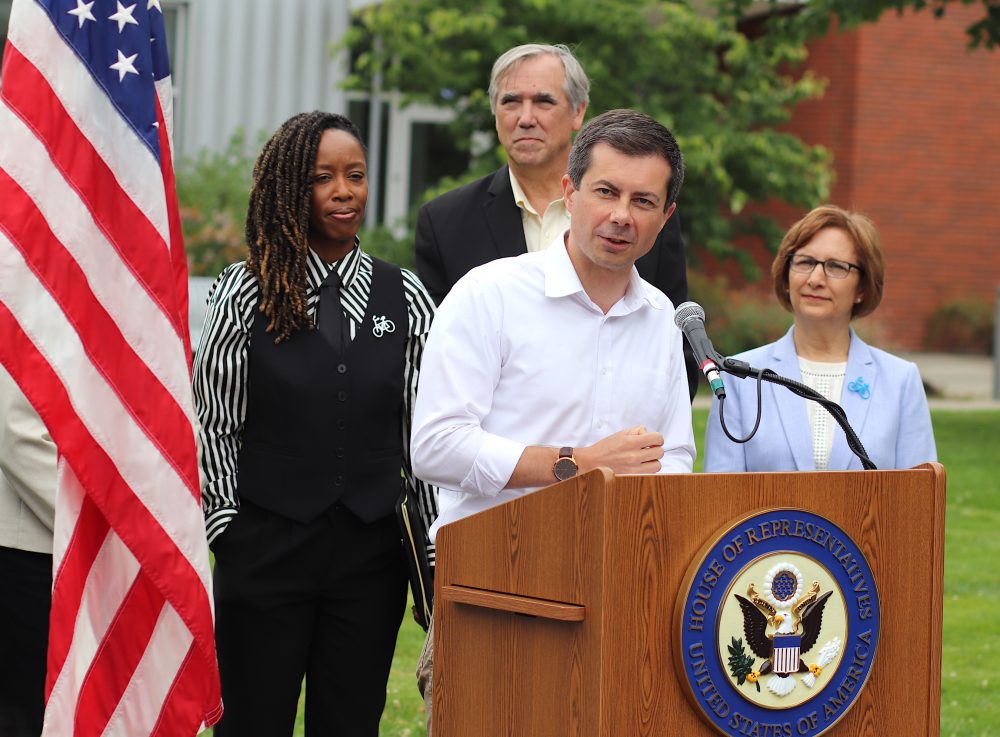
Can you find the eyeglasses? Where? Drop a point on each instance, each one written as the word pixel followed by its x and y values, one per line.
pixel 831 267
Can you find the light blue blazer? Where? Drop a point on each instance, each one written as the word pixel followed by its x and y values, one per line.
pixel 893 422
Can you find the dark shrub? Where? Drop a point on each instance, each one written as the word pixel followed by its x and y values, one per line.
pixel 961 325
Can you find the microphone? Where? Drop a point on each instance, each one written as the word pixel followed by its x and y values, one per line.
pixel 690 318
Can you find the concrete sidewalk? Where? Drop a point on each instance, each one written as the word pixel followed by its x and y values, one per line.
pixel 957 381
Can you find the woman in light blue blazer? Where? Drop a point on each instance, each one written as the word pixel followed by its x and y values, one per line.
pixel 828 271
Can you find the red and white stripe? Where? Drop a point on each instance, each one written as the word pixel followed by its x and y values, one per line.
pixel 786 659
pixel 93 325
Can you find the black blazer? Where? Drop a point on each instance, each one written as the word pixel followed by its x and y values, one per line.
pixel 480 222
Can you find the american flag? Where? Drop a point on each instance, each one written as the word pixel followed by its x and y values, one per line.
pixel 93 326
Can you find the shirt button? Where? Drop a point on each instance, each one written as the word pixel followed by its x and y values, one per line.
pixel 341 424
pixel 338 481
pixel 341 368
pixel 340 452
pixel 342 396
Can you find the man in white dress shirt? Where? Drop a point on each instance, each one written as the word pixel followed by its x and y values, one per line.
pixel 558 362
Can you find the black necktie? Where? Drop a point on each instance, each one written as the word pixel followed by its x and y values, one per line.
pixel 332 320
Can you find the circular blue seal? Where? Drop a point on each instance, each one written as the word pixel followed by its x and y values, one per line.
pixel 779 622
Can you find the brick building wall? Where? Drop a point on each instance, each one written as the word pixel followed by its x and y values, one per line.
pixel 913 120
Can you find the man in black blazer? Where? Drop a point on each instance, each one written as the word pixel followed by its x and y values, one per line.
pixel 538 94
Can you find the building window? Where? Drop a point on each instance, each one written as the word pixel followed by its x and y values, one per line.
pixel 409 150
pixel 359 110
pixel 434 155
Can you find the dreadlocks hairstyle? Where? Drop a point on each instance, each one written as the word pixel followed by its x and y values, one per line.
pixel 278 218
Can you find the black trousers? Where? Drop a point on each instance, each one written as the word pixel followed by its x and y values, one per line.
pixel 322 601
pixel 25 600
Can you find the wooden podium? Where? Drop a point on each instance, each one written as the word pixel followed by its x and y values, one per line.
pixel 555 613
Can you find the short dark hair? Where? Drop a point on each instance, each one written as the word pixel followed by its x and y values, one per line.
pixel 860 229
pixel 633 134
pixel 277 224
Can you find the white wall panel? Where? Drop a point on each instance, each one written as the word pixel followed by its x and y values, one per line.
pixel 254 63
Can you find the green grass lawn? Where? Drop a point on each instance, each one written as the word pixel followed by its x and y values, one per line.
pixel 969 447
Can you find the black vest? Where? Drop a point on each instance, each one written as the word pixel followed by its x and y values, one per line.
pixel 322 427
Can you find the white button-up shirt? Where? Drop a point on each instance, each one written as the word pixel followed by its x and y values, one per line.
pixel 519 355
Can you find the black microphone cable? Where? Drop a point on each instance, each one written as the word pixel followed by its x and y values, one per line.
pixel 743 370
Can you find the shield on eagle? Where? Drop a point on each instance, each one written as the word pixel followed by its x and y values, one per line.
pixel 785 656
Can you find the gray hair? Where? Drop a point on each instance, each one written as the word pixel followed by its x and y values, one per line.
pixel 633 134
pixel 576 86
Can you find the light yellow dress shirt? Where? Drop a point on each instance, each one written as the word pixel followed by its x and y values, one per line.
pixel 539 230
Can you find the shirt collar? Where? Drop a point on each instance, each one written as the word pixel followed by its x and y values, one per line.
pixel 317 269
pixel 561 280
pixel 520 199
pixel 641 292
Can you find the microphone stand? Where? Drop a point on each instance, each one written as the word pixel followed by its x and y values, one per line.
pixel 742 370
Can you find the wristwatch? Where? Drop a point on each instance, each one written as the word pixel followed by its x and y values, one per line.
pixel 565 466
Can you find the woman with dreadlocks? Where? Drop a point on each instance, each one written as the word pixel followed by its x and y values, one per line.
pixel 304 381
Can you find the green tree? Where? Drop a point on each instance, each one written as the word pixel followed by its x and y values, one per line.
pixel 212 189
pixel 723 93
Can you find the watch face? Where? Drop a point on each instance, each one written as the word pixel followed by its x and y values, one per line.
pixel 565 468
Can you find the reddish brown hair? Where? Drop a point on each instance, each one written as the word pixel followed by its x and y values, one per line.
pixel 860 229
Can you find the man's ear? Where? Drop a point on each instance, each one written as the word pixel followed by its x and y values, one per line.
pixel 666 216
pixel 568 192
pixel 578 117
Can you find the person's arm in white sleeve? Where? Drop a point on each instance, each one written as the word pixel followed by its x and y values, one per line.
pixel 461 366
pixel 678 435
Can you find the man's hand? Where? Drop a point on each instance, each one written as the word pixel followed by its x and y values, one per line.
pixel 627 451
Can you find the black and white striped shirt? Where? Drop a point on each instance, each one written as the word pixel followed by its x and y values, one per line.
pixel 220 371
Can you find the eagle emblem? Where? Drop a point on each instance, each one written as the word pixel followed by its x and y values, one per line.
pixel 780 627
